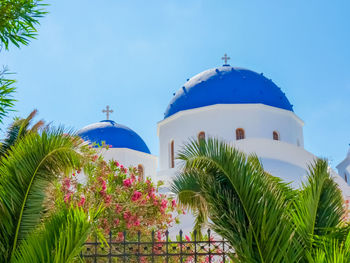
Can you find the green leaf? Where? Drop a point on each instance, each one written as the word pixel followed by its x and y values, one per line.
pixel 59 240
pixel 6 91
pixel 18 21
pixel 32 165
pixel 246 205
pixel 318 208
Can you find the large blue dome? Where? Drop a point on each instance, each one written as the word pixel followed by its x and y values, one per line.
pixel 227 85
pixel 119 136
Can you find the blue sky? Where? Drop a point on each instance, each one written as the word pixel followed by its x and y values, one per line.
pixel 133 55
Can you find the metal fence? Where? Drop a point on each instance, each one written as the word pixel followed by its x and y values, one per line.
pixel 150 249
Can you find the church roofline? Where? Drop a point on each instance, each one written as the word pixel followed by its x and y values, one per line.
pixel 148 155
pixel 228 106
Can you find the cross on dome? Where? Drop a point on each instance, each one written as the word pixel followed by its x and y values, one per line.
pixel 107 111
pixel 225 58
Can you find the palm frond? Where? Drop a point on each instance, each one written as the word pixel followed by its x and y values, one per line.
pixel 6 92
pixel 17 130
pixel 330 250
pixel 60 239
pixel 188 192
pixel 31 165
pixel 246 205
pixel 318 208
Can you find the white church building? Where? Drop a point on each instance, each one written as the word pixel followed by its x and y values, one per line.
pixel 237 105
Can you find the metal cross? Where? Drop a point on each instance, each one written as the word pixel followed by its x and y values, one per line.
pixel 225 57
pixel 107 111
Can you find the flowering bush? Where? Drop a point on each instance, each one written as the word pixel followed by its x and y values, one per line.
pixel 128 201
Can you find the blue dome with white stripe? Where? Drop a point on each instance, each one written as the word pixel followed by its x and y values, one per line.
pixel 227 85
pixel 116 135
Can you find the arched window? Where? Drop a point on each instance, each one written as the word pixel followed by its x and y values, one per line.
pixel 141 171
pixel 201 136
pixel 275 136
pixel 172 155
pixel 240 134
pixel 345 177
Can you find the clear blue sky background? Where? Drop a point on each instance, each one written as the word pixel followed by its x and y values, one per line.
pixel 132 55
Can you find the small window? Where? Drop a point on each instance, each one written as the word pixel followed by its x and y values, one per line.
pixel 201 136
pixel 240 135
pixel 172 155
pixel 275 136
pixel 141 171
pixel 345 178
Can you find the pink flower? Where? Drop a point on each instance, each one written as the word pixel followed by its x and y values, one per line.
pixel 116 163
pixel 173 203
pixel 137 222
pixel 108 199
pixel 118 208
pixel 82 201
pixel 187 238
pixel 136 196
pixel 66 183
pixel 127 182
pixel 120 236
pixel 104 185
pixel 116 221
pixel 127 215
pixel 159 235
pixel 164 203
pixel 67 197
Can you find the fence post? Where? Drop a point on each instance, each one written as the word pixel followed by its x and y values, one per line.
pixel 167 245
pixel 138 245
pixel 209 250
pixel 152 246
pixel 124 247
pixel 181 259
pixel 223 251
pixel 195 245
pixel 110 247
pixel 95 250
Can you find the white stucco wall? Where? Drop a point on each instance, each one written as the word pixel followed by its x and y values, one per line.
pixel 344 168
pixel 221 121
pixel 285 158
pixel 128 157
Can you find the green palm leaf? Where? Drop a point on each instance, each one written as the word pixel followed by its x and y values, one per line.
pixel 330 250
pixel 6 91
pixel 59 240
pixel 31 166
pixel 18 129
pixel 318 208
pixel 189 195
pixel 246 205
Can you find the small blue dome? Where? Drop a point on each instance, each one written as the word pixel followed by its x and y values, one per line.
pixel 119 136
pixel 227 85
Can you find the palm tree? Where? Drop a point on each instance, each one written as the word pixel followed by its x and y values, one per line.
pixel 262 217
pixel 18 129
pixel 30 166
pixel 60 239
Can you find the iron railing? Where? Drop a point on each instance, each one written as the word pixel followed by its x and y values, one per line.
pixel 211 249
